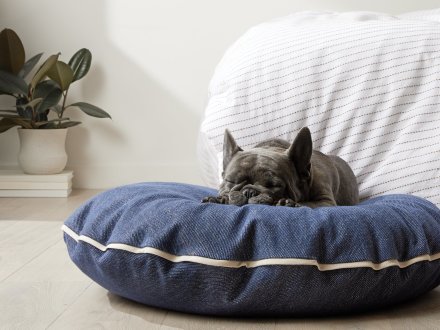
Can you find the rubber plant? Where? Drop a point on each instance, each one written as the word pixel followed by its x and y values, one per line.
pixel 45 92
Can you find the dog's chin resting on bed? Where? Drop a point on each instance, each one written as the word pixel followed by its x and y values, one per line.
pixel 276 172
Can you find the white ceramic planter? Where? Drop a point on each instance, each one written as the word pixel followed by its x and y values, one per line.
pixel 42 151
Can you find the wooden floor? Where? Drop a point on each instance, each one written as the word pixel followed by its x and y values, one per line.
pixel 40 288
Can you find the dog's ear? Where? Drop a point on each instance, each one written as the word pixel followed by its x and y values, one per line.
pixel 230 148
pixel 300 152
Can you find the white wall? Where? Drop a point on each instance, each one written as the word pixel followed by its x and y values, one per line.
pixel 152 64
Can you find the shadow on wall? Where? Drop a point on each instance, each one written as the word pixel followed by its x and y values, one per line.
pixel 150 124
pixel 151 128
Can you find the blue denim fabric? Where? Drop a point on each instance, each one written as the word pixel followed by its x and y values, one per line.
pixel 171 218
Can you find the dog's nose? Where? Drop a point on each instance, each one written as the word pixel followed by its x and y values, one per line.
pixel 250 192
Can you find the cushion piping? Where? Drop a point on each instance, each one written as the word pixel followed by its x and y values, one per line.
pixel 249 263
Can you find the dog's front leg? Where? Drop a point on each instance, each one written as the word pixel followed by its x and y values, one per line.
pixel 228 195
pixel 220 199
pixel 287 202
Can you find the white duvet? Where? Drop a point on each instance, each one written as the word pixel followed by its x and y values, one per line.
pixel 366 84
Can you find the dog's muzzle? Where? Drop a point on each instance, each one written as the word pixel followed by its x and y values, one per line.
pixel 249 194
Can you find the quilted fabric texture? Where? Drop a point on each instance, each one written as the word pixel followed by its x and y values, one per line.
pixel 157 244
pixel 366 84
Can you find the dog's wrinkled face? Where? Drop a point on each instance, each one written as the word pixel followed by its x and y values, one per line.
pixel 259 175
pixel 262 175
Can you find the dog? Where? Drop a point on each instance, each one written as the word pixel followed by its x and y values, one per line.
pixel 278 173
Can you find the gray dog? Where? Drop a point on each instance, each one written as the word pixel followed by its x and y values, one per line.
pixel 276 172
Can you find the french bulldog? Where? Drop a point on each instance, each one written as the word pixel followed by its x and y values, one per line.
pixel 278 173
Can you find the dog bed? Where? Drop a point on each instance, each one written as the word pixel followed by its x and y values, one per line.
pixel 157 244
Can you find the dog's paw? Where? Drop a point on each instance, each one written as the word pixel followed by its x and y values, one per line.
pixel 287 202
pixel 216 199
pixel 209 199
pixel 261 199
pixel 237 198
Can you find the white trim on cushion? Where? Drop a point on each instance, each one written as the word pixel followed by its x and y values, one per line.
pixel 249 264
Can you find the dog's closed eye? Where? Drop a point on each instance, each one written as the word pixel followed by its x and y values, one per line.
pixel 236 181
pixel 236 186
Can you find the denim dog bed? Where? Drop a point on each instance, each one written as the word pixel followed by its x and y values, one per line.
pixel 157 244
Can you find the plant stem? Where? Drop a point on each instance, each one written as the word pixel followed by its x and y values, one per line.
pixel 30 96
pixel 64 102
pixel 63 107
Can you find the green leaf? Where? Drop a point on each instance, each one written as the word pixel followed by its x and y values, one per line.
pixel 62 74
pixel 69 124
pixel 42 71
pixel 7 123
pixel 29 65
pixel 57 108
pixel 91 110
pixel 11 84
pixel 31 104
pixel 45 87
pixel 22 110
pixel 9 116
pixel 56 121
pixel 47 125
pixel 57 124
pixel 50 94
pixel 51 99
pixel 80 63
pixel 12 54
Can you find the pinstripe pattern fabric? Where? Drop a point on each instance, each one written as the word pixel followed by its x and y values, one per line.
pixel 366 84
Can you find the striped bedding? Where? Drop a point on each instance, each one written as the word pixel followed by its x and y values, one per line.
pixel 366 84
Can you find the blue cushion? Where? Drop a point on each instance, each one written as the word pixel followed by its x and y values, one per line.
pixel 157 244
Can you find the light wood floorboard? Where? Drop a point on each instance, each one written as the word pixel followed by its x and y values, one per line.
pixel 43 209
pixel 40 288
pixel 21 242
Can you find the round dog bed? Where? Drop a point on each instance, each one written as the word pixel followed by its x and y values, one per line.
pixel 157 244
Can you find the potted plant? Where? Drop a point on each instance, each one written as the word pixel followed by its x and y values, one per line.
pixel 40 103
